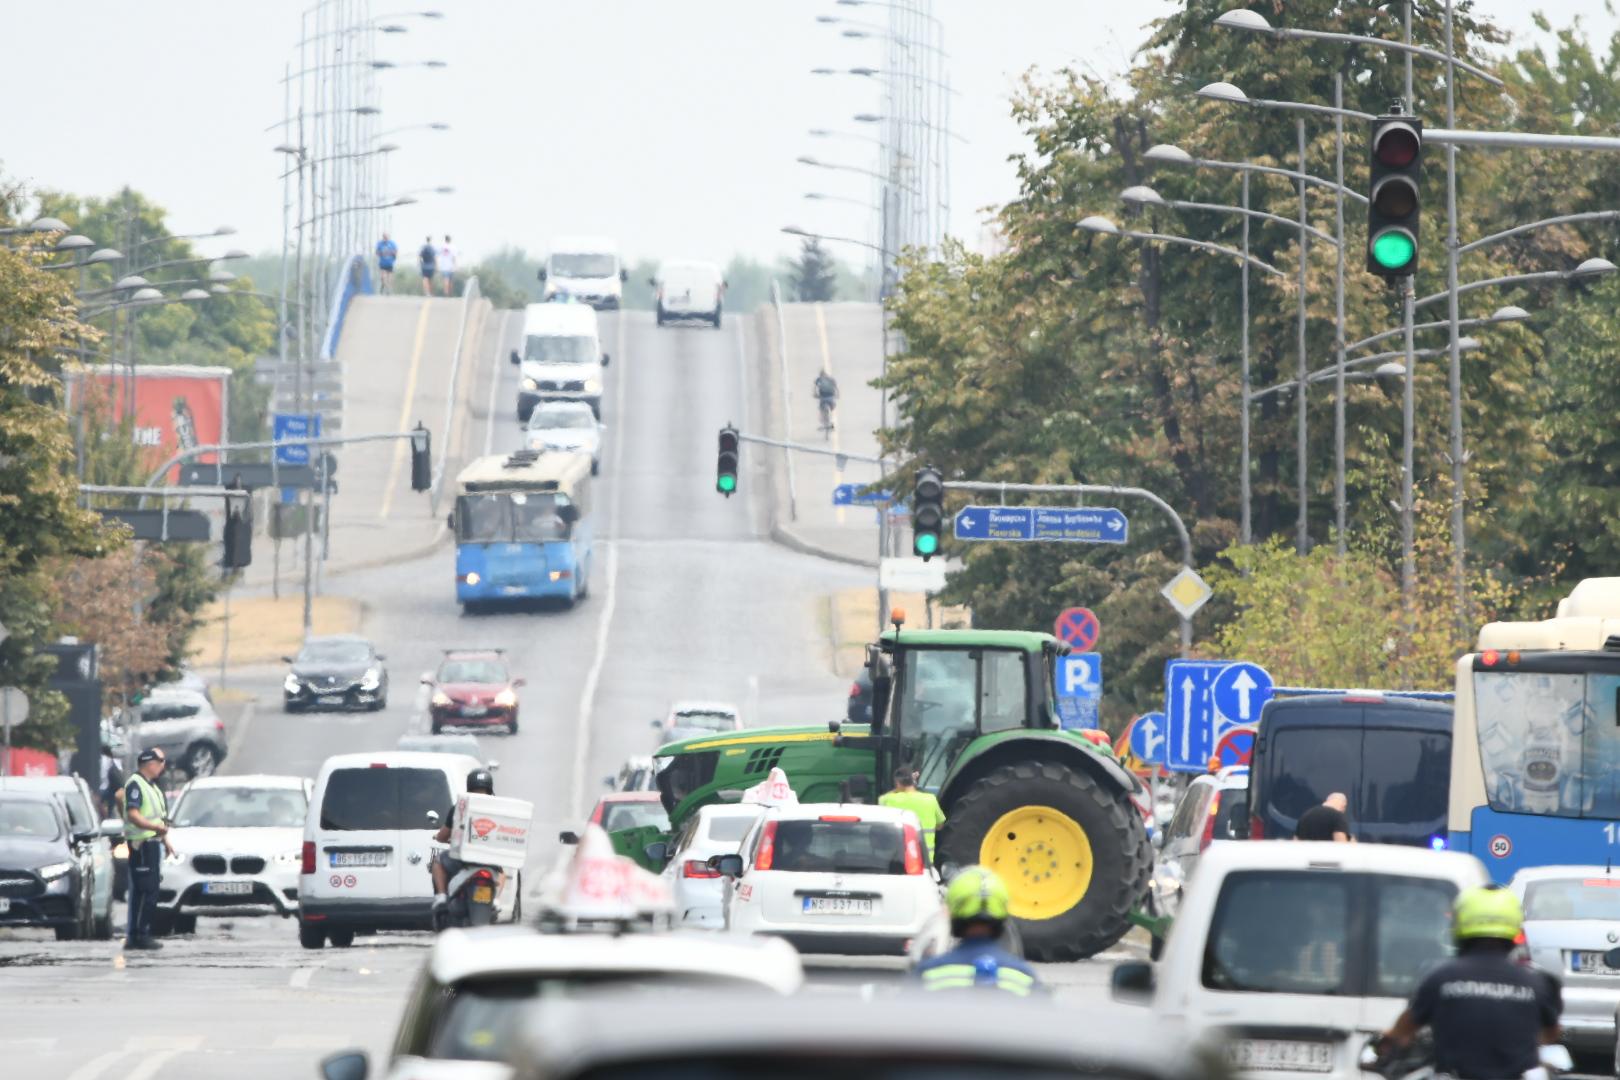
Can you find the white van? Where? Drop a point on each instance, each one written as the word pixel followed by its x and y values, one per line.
pixel 587 269
pixel 689 290
pixel 368 843
pixel 561 357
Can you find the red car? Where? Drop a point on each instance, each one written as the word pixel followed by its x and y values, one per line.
pixel 473 688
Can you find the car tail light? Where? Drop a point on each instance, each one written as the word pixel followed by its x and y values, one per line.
pixel 1209 821
pixel 307 858
pixel 484 877
pixel 914 852
pixel 1257 828
pixel 596 815
pixel 854 689
pixel 767 847
pixel 847 818
pixel 697 868
pixel 219 725
pixel 379 765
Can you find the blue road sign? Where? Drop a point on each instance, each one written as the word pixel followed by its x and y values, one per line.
pixel 1241 691
pixel 1079 690
pixel 1203 701
pixel 294 426
pixel 1148 739
pixel 1076 525
pixel 856 495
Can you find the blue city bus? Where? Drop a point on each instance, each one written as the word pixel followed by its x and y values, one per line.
pixel 523 528
pixel 1535 753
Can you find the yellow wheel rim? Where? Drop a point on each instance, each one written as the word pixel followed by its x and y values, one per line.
pixel 1043 855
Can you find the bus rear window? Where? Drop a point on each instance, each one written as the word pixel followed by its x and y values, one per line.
pixel 1548 742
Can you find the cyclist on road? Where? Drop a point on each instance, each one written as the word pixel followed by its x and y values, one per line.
pixel 387 252
pixel 826 397
pixel 1489 1013
pixel 977 900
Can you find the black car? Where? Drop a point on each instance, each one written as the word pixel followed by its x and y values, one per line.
pixel 46 875
pixel 338 672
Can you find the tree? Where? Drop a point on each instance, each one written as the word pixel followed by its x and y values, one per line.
pixel 114 602
pixel 815 273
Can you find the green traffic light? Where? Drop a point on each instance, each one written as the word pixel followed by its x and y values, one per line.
pixel 925 543
pixel 1393 250
pixel 726 483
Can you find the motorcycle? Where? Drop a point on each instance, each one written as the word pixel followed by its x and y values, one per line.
pixel 470 897
pixel 1416 1062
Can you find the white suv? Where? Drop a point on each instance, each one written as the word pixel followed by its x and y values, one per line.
pixel 833 878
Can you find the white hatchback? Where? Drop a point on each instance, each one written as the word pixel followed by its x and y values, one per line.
pixel 565 425
pixel 698 888
pixel 833 878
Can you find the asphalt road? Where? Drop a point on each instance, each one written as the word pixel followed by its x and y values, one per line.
pixel 688 598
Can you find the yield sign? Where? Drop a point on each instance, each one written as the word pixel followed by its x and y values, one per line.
pixel 1079 627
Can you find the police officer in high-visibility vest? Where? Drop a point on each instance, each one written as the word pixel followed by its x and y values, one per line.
pixel 148 835
pixel 977 901
pixel 905 796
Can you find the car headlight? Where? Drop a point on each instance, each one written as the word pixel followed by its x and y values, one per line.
pixel 291 685
pixel 441 698
pixel 530 384
pixel 371 679
pixel 55 870
pixel 593 386
pixel 506 698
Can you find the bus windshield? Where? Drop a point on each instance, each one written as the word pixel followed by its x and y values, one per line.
pixel 510 517
pixel 1548 742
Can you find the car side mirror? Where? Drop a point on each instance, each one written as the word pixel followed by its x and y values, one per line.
pixel 85 836
pixel 493 766
pixel 433 819
pixel 382 656
pixel 541 273
pixel 1132 982
pixel 606 359
pixel 568 836
pixel 286 659
pixel 112 828
pixel 653 282
pixel 450 521
pixel 346 1065
pixel 516 357
pixel 657 851
pixel 624 275
pixel 1157 839
pixel 657 723
pixel 520 682
pixel 568 512
pixel 729 865
pixel 427 678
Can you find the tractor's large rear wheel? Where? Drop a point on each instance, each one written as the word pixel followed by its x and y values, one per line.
pixel 1073 852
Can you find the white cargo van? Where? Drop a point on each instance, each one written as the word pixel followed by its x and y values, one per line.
pixel 587 269
pixel 368 843
pixel 561 357
pixel 689 290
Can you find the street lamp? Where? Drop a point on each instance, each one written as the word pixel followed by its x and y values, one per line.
pixel 805 159
pixel 876 118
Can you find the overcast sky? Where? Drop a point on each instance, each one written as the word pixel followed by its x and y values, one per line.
pixel 672 126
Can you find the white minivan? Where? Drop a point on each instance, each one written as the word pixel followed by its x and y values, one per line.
pixel 689 290
pixel 587 269
pixel 368 843
pixel 561 358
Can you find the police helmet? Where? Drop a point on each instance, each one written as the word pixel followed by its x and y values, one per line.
pixel 1487 912
pixel 976 893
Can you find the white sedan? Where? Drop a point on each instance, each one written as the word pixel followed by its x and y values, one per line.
pixel 698 888
pixel 690 719
pixel 237 841
pixel 566 425
pixel 833 878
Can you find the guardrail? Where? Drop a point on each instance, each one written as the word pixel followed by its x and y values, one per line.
pixel 353 277
pixel 469 296
pixel 787 400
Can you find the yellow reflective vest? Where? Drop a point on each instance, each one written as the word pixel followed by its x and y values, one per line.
pixel 152 808
pixel 924 805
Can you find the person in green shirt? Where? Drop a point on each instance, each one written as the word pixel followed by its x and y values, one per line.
pixel 906 796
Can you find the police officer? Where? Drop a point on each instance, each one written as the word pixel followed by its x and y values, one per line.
pixel 147 833
pixel 977 901
pixel 1488 1013
pixel 905 796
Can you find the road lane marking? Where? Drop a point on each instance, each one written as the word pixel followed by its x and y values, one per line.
pixel 402 446
pixel 233 747
pixel 494 385
pixel 300 978
pixel 826 365
pixel 587 694
pixel 153 1061
pixel 92 1069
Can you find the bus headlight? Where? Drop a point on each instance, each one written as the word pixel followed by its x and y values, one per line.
pixel 530 384
pixel 593 386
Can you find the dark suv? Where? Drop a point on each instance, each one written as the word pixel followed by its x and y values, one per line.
pixel 46 875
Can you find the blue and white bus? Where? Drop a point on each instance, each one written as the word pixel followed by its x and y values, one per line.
pixel 523 528
pixel 1535 752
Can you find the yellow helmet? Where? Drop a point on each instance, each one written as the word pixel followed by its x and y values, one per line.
pixel 976 893
pixel 1487 912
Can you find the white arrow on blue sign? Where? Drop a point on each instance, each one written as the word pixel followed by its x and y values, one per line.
pixel 1057 524
pixel 857 495
pixel 1147 738
pixel 1079 690
pixel 1204 699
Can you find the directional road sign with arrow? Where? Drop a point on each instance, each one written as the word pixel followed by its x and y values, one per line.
pixel 1147 738
pixel 1056 524
pixel 1206 699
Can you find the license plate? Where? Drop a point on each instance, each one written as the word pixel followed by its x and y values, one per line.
pixel 331 699
pixel 513 590
pixel 228 888
pixel 483 894
pixel 359 858
pixel 1590 963
pixel 836 905
pixel 473 710
pixel 5 904
pixel 1288 1055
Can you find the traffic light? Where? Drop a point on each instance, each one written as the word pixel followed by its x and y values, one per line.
pixel 421 458
pixel 725 476
pixel 238 535
pixel 927 512
pixel 1394 195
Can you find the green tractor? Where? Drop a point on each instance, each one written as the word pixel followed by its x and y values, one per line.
pixel 973 712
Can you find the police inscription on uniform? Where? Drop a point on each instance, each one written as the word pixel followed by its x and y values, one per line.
pixel 1487 1013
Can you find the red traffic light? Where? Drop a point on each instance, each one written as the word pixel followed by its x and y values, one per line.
pixel 1396 145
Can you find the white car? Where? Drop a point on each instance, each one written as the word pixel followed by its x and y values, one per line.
pixel 687 719
pixel 833 878
pixel 566 425
pixel 586 269
pixel 689 290
pixel 236 850
pixel 1295 954
pixel 716 829
pixel 561 358
pixel 1570 916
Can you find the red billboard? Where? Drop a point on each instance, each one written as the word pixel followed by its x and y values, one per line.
pixel 176 407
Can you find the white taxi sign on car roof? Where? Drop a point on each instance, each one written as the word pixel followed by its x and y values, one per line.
pixel 774 790
pixel 600 885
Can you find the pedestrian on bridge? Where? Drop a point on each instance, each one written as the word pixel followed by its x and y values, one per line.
pixel 148 836
pixel 387 252
pixel 447 266
pixel 427 261
pixel 906 796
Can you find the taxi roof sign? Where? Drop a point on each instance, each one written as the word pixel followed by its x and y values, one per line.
pixel 774 790
pixel 599 885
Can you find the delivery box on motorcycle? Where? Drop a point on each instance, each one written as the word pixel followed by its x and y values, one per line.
pixel 491 830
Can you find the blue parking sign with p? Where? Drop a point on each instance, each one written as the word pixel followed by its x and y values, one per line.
pixel 1079 690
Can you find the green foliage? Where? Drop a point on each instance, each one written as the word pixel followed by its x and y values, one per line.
pixel 814 275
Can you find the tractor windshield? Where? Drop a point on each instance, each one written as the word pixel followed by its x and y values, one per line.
pixel 949 696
